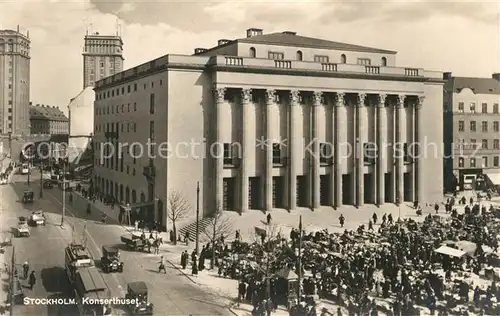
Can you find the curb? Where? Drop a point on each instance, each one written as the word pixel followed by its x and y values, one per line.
pixel 183 273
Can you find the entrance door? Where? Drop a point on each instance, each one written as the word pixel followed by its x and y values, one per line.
pixel 302 191
pixel 389 186
pixel 368 188
pixel 407 179
pixel 254 192
pixel 346 189
pixel 278 192
pixel 324 189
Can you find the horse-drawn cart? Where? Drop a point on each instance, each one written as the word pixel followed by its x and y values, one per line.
pixel 134 243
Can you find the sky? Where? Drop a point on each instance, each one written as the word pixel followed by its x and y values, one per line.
pixel 457 36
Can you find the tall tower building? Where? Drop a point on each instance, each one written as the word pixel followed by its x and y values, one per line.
pixel 102 57
pixel 14 82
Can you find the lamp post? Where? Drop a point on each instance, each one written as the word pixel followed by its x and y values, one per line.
pixel 10 145
pixel 64 193
pixel 299 270
pixel 41 178
pixel 197 217
pixel 127 211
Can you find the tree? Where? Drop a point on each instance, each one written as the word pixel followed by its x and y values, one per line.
pixel 177 208
pixel 218 226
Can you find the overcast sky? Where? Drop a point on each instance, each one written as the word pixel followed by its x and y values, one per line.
pixel 462 37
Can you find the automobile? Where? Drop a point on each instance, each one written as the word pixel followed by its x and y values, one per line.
pixel 48 184
pixel 24 169
pixel 3 180
pixel 23 229
pixel 134 242
pixel 110 260
pixel 37 218
pixel 138 292
pixel 28 197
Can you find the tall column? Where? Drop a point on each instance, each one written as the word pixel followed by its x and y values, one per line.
pixel 339 129
pixel 399 146
pixel 332 132
pixel 381 148
pixel 317 100
pixel 269 140
pixel 219 158
pixel 361 124
pixel 246 103
pixel 417 165
pixel 292 144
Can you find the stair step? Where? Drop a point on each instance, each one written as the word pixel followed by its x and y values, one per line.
pixel 191 228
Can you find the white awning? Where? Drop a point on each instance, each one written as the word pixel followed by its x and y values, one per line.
pixel 494 177
pixel 452 252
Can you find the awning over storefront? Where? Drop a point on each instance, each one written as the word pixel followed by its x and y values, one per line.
pixel 452 252
pixel 494 177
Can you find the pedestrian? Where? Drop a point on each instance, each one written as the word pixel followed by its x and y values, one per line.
pixel 242 289
pixel 162 265
pixel 436 207
pixel 341 220
pixel 370 225
pixel 26 269
pixel 194 267
pixel 269 218
pixel 32 280
pixel 374 217
pixel 186 238
pixel 184 259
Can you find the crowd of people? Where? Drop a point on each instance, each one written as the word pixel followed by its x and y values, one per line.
pixel 392 266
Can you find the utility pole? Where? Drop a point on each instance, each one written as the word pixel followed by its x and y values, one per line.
pixel 13 281
pixel 64 194
pixel 29 166
pixel 197 217
pixel 41 178
pixel 299 272
pixel 10 145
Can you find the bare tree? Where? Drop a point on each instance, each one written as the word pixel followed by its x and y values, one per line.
pixel 218 226
pixel 177 208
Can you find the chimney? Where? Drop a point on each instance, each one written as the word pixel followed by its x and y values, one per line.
pixel 199 51
pixel 222 42
pixel 447 75
pixel 496 76
pixel 290 33
pixel 254 32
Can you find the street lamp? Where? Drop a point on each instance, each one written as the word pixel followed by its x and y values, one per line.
pixel 41 178
pixel 128 209
pixel 10 145
pixel 197 217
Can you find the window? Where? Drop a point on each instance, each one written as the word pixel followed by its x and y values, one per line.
pixel 123 90
pixel 321 59
pixel 473 162
pixel 484 107
pixel 496 144
pixel 384 61
pixel 299 55
pixel 135 86
pixel 364 61
pixel 152 130
pixel 461 162
pixel 123 108
pixel 461 126
pixel 276 153
pixel 484 144
pixel 276 56
pixel 460 107
pixel 496 161
pixel 135 106
pixel 495 108
pixel 484 126
pixel 252 52
pixel 473 126
pixel 161 82
pixel 473 107
pixel 152 103
pixel 473 143
pixel 228 154
pixel 102 64
pixel 496 126
pixel 407 155
pixel 485 162
pixel 343 59
pixel 325 153
pixel 369 153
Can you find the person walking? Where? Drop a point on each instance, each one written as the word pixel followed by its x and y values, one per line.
pixel 26 269
pixel 269 218
pixel 341 220
pixel 32 280
pixel 162 265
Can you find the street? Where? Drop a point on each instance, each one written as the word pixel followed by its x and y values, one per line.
pixel 171 293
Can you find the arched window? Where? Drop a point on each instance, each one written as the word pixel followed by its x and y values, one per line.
pixel 384 61
pixel 134 197
pixel 299 55
pixel 343 59
pixel 143 198
pixel 252 52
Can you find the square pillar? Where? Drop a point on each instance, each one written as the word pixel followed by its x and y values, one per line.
pixel 219 94
pixel 268 161
pixel 315 181
pixel 331 169
pixel 340 126
pixel 246 103
pixel 292 144
pixel 399 156
pixel 381 132
pixel 417 150
pixel 361 123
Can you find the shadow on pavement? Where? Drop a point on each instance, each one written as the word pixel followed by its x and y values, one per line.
pixel 61 309
pixel 55 280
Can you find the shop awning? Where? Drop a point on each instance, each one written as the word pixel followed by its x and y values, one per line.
pixel 494 177
pixel 448 251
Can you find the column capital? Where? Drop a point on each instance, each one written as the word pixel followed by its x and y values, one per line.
pixel 294 97
pixel 381 100
pixel 420 102
pixel 400 101
pixel 361 99
pixel 340 99
pixel 317 98
pixel 246 95
pixel 270 96
pixel 219 94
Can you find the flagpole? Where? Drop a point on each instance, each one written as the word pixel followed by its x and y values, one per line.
pixel 299 273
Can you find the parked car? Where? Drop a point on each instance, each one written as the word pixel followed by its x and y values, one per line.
pixel 37 218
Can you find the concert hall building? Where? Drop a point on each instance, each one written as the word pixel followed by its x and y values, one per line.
pixel 299 122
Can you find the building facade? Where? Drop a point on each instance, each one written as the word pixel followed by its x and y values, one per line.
pixel 269 121
pixel 45 119
pixel 81 130
pixel 471 128
pixel 102 57
pixel 14 83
